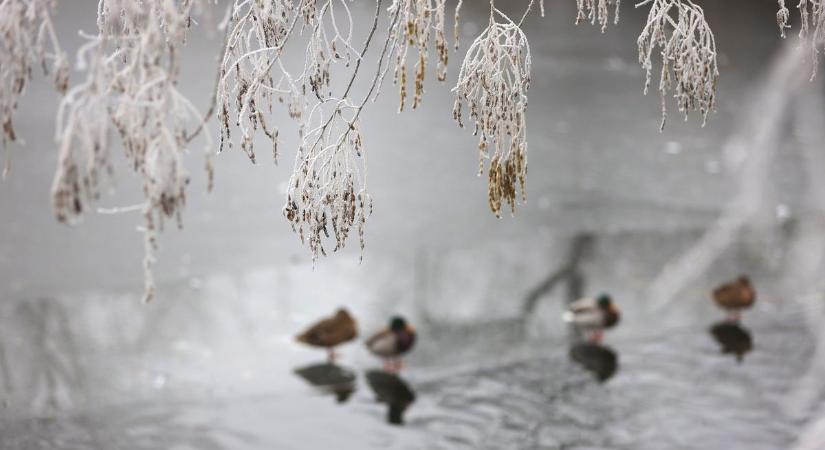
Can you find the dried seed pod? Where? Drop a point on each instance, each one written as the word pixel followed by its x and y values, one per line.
pixel 257 31
pixel 417 21
pixel 493 81
pixel 327 188
pixel 28 39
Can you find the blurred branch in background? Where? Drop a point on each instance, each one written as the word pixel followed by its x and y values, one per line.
pixel 752 147
pixel 805 269
pixel 581 248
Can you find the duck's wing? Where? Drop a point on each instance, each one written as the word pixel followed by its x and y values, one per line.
pixel 329 332
pixel 347 322
pixel 582 305
pixel 734 295
pixel 343 329
pixel 383 344
pixel 316 334
pixel 748 294
pixel 587 318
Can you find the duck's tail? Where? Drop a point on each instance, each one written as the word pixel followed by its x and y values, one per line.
pixel 568 317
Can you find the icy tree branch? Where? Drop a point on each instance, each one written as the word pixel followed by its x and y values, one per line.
pixel 27 38
pixel 597 11
pixel 812 27
pixel 132 73
pixel 493 83
pixel 685 42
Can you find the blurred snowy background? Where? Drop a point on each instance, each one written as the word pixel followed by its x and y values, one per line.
pixel 656 219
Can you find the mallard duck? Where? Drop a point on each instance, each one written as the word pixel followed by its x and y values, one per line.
pixel 330 332
pixel 735 296
pixel 392 342
pixel 593 315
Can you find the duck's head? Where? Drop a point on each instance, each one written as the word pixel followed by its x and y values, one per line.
pixel 604 301
pixel 398 323
pixel 744 280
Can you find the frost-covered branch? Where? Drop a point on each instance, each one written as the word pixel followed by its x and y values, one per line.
pixel 257 33
pixel 685 42
pixel 27 38
pixel 418 20
pixel 597 11
pixel 812 27
pixel 327 190
pixel 328 187
pixel 130 80
pixel 132 73
pixel 493 83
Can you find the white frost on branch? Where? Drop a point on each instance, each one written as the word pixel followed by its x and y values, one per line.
pixel 417 21
pixel 131 76
pixel 132 72
pixel 685 42
pixel 27 38
pixel 597 11
pixel 812 28
pixel 256 34
pixel 493 82
pixel 327 193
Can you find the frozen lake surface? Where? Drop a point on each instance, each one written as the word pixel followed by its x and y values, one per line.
pixel 214 368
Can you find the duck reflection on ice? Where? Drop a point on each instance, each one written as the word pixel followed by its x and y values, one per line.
pixel 602 361
pixel 329 377
pixel 389 388
pixel 733 338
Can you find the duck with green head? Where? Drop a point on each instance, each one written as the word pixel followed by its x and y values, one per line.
pixel 593 315
pixel 393 342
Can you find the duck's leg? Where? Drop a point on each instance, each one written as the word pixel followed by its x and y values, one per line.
pixel 585 334
pixel 331 355
pixel 734 315
pixel 393 365
pixel 597 336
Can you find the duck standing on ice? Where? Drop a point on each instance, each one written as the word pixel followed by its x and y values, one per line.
pixel 392 342
pixel 593 315
pixel 735 296
pixel 330 332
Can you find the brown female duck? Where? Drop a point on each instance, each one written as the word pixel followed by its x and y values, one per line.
pixel 735 296
pixel 330 332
